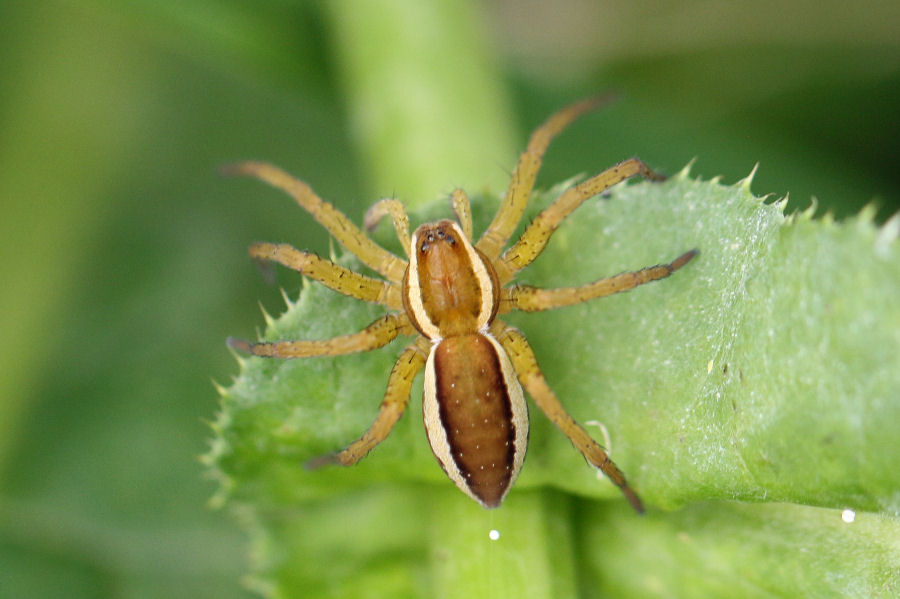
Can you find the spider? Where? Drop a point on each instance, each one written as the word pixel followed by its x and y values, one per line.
pixel 448 294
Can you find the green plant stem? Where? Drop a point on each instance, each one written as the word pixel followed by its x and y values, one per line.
pixel 425 101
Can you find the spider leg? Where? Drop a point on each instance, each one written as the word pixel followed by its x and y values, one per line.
pixel 533 299
pixel 333 276
pixel 537 234
pixel 463 211
pixel 378 334
pixel 525 173
pixel 398 216
pixel 532 379
pixel 349 235
pixel 392 407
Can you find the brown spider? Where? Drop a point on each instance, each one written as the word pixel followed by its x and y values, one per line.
pixel 449 294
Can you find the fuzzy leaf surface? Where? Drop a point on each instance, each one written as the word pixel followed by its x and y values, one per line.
pixel 766 370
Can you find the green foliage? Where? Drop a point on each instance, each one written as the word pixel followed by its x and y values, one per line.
pixel 764 373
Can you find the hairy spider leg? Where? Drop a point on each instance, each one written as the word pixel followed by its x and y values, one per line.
pixel 378 334
pixel 538 232
pixel 523 177
pixel 395 209
pixel 342 228
pixel 533 299
pixel 392 407
pixel 463 211
pixel 335 277
pixel 532 379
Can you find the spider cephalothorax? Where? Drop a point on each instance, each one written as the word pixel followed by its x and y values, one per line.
pixel 449 294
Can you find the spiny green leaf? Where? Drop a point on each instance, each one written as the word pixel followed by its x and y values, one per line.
pixel 765 370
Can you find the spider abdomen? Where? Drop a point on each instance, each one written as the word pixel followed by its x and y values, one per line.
pixel 475 415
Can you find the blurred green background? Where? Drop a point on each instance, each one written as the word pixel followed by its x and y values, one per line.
pixel 124 254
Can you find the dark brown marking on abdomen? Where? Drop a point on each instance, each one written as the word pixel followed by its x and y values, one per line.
pixel 476 414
